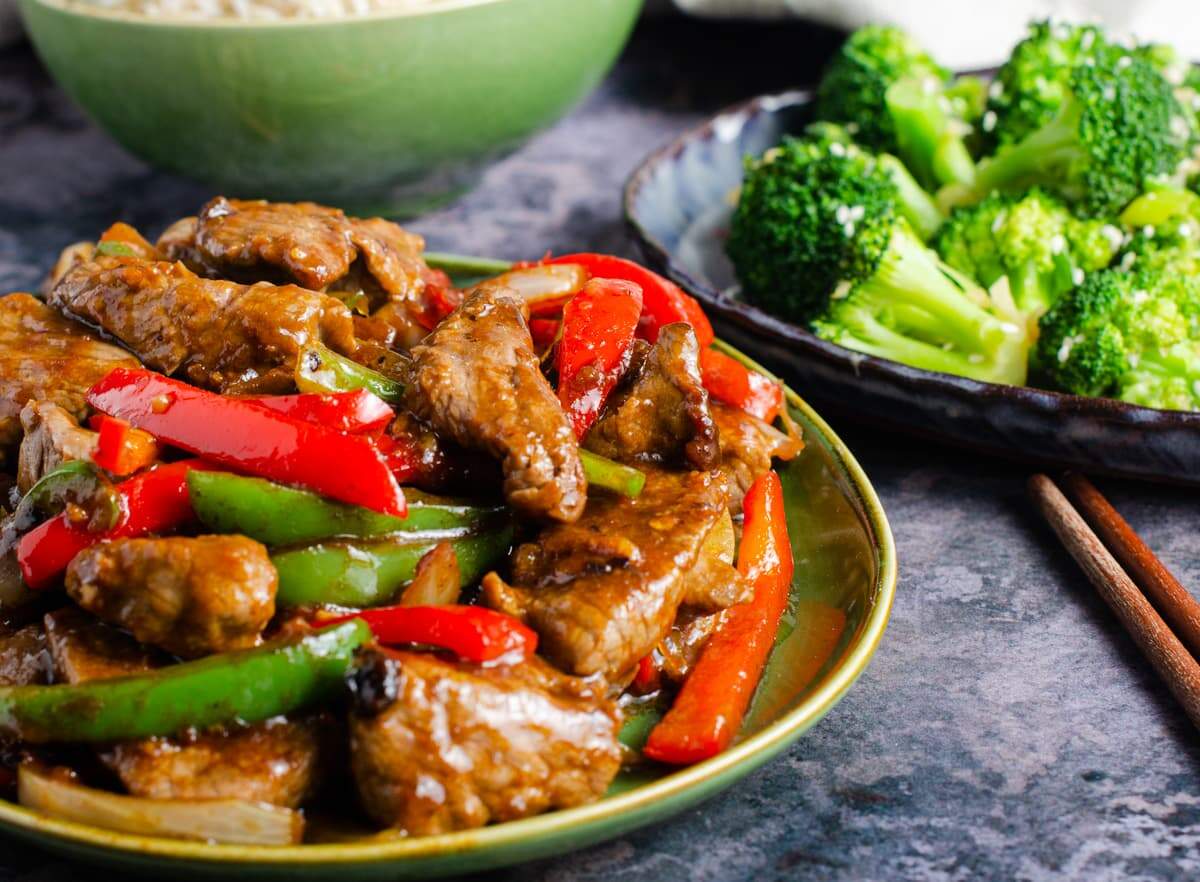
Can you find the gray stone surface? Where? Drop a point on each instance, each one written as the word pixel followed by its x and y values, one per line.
pixel 1007 728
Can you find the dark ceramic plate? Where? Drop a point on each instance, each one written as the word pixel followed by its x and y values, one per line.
pixel 677 204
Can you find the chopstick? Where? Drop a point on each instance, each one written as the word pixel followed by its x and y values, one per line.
pixel 1152 635
pixel 1175 602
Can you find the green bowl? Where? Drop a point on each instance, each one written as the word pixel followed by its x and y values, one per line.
pixel 841 597
pixel 388 113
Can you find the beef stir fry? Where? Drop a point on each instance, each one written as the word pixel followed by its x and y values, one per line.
pixel 295 524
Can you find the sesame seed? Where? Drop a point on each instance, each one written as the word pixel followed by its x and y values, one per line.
pixel 1058 244
pixel 1086 41
pixel 988 123
pixel 1077 276
pixel 1148 231
pixel 837 149
pixel 995 89
pixel 1127 261
pixel 1123 62
pixel 1112 234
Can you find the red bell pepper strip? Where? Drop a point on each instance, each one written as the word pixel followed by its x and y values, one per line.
pixel 598 325
pixel 663 302
pixel 357 412
pixel 473 633
pixel 647 678
pixel 731 382
pixel 154 501
pixel 544 332
pixel 404 457
pixel 708 711
pixel 120 448
pixel 248 438
pixel 439 299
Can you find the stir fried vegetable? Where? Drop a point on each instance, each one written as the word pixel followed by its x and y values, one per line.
pixel 231 821
pixel 320 369
pixel 76 489
pixel 249 685
pixel 708 711
pixel 278 515
pixel 728 381
pixel 371 573
pixel 598 325
pixel 120 448
pixel 155 501
pixel 663 302
pixel 602 472
pixel 244 436
pixel 356 411
pixel 544 289
pixel 472 633
pixel 437 580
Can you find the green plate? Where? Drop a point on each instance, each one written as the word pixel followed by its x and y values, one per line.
pixel 841 598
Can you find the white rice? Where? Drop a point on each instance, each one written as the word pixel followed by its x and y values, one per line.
pixel 255 10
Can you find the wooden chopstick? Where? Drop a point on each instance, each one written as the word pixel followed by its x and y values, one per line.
pixel 1153 637
pixel 1170 598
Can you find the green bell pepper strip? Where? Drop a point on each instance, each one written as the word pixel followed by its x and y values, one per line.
pixel 277 515
pixel 365 574
pixel 114 249
pixel 79 482
pixel 249 685
pixel 602 472
pixel 320 369
pixel 464 266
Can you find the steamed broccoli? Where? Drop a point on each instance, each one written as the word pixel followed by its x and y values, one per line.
pixel 1031 86
pixel 894 98
pixel 1031 238
pixel 1123 335
pixel 818 236
pixel 1115 128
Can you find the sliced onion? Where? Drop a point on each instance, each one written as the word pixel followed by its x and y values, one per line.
pixel 437 580
pixel 213 820
pixel 545 287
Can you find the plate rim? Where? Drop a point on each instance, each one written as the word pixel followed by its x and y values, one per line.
pixel 697 781
pixel 759 321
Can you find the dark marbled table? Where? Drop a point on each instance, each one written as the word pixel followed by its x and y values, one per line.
pixel 1007 728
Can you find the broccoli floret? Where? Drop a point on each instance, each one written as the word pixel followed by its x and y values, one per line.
pixel 1122 335
pixel 1116 127
pixel 1163 231
pixel 917 206
pixel 1031 86
pixel 1031 238
pixel 893 98
pixel 818 237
